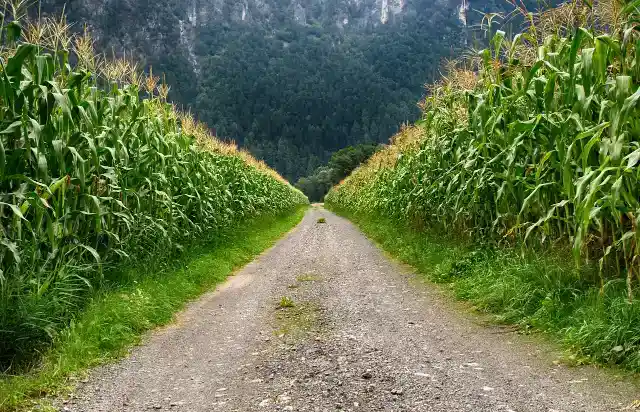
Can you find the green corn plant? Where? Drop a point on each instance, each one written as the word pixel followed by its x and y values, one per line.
pixel 92 176
pixel 525 150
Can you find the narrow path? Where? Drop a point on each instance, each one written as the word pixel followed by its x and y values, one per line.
pixel 362 335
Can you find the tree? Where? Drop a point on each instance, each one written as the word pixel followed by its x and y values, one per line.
pixel 340 165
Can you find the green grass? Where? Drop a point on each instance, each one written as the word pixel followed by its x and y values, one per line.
pixel 286 302
pixel 538 290
pixel 297 321
pixel 116 319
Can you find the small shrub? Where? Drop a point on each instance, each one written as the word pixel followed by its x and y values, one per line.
pixel 463 266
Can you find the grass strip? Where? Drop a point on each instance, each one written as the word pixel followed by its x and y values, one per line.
pixel 540 290
pixel 116 319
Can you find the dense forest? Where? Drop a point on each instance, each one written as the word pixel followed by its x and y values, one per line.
pixel 341 164
pixel 291 86
pixel 293 105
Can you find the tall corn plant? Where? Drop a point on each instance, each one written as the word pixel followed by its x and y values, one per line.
pixel 93 176
pixel 536 150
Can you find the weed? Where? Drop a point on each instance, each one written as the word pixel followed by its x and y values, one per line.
pixel 307 278
pixel 286 302
pixel 322 220
pixel 297 321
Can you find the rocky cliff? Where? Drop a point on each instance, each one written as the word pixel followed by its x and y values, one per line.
pixel 152 29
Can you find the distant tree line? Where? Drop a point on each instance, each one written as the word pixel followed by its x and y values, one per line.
pixel 340 165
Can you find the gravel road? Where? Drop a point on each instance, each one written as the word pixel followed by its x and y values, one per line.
pixel 363 334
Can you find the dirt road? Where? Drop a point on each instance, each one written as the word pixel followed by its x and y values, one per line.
pixel 362 335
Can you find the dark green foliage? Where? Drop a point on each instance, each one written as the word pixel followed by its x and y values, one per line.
pixel 342 162
pixel 294 105
pixel 460 267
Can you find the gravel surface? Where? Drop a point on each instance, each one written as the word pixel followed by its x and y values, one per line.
pixel 363 334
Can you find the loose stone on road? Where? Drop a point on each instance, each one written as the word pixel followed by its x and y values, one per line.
pixel 323 322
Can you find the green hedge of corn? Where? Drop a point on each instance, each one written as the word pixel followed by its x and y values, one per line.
pixel 535 139
pixel 93 177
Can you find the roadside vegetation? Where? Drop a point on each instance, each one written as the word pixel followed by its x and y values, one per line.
pixel 527 159
pixel 98 173
pixel 116 318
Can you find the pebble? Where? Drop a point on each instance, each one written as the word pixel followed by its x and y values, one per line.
pixel 265 402
pixel 283 399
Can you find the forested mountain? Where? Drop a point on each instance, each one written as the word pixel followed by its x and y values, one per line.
pixel 291 80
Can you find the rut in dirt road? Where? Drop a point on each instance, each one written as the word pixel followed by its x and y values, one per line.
pixel 362 335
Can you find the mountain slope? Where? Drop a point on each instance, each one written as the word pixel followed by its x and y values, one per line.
pixel 292 80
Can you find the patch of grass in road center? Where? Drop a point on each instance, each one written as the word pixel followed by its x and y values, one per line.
pixel 286 302
pixel 296 322
pixel 538 290
pixel 307 277
pixel 116 319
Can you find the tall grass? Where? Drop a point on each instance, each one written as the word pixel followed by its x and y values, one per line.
pixel 97 170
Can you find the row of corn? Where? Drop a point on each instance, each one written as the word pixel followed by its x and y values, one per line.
pixel 97 170
pixel 532 140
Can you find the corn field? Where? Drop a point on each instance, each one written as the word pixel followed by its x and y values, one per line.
pixel 98 170
pixel 533 140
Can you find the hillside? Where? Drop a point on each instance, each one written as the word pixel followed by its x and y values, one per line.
pixel 293 81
